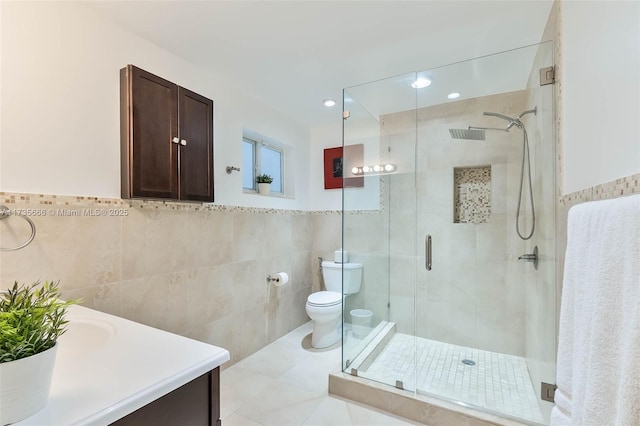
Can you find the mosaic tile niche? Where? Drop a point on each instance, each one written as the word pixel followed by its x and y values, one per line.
pixel 472 194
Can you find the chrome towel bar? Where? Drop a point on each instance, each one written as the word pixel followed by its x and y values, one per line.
pixel 5 212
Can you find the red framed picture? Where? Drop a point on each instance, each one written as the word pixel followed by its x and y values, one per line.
pixel 338 164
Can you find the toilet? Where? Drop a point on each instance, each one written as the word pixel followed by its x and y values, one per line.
pixel 325 307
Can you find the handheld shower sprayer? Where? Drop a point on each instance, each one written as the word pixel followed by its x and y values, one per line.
pixel 526 163
pixel 512 121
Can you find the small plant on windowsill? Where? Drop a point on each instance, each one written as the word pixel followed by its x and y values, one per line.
pixel 264 184
pixel 31 320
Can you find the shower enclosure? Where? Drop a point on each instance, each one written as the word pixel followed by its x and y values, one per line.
pixel 458 165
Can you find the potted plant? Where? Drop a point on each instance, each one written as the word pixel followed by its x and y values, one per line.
pixel 31 320
pixel 264 184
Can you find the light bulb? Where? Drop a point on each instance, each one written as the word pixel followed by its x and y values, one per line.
pixel 366 169
pixel 421 83
pixel 354 170
pixel 389 167
pixel 377 168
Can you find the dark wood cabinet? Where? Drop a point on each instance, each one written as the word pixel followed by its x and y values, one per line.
pixel 166 139
pixel 196 403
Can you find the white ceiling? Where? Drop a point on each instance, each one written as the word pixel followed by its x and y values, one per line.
pixel 293 54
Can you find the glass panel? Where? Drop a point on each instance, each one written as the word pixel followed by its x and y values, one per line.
pixel 379 227
pixel 479 327
pixel 248 164
pixel 479 310
pixel 271 164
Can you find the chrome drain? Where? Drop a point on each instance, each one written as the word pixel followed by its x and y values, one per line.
pixel 468 362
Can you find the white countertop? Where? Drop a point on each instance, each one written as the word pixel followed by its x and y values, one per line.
pixel 107 367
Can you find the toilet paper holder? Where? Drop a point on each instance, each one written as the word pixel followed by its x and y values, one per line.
pixel 273 278
pixel 278 279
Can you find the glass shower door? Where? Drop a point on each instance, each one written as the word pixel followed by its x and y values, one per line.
pixel 379 218
pixel 478 328
pixel 484 326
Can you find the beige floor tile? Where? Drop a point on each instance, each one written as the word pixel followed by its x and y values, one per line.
pixel 273 360
pixel 240 387
pixel 281 405
pixel 309 374
pixel 237 420
pixel 285 384
pixel 330 412
pixel 296 336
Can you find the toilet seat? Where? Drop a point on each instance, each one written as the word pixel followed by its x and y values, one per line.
pixel 324 298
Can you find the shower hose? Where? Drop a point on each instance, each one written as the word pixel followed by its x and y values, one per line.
pixel 525 158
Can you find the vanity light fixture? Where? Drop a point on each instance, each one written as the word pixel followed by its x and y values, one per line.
pixel 329 103
pixel 420 83
pixel 378 168
pixel 454 95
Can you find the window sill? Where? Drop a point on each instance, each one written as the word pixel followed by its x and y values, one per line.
pixel 271 194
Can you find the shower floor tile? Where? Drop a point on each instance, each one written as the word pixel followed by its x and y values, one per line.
pixel 496 382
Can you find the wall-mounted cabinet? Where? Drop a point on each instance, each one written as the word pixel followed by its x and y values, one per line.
pixel 166 139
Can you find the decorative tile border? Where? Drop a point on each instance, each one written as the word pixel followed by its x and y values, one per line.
pixel 558 88
pixel 62 200
pixel 9 198
pixel 618 188
pixel 57 200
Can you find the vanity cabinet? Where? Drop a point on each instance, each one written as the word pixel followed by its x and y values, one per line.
pixel 197 403
pixel 166 139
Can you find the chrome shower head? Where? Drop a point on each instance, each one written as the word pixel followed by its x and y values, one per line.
pixel 469 134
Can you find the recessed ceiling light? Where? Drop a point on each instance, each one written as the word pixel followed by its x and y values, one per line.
pixel 421 83
pixel 453 95
pixel 329 103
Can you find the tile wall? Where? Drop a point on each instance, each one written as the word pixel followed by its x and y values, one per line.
pixel 188 269
pixel 473 295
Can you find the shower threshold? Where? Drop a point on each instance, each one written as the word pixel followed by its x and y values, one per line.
pixel 488 381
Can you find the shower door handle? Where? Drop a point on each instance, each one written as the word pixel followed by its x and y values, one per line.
pixel 427 252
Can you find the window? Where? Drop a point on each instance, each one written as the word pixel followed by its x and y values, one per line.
pixel 248 161
pixel 260 158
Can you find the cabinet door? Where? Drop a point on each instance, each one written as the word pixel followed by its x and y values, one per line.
pixel 196 403
pixel 196 149
pixel 152 155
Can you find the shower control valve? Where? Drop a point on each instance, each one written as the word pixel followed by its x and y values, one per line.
pixel 531 257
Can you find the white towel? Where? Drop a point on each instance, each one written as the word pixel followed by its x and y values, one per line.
pixel 598 370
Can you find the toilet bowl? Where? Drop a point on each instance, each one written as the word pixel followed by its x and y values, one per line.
pixel 325 307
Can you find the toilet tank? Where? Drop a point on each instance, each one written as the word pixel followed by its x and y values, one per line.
pixel 332 275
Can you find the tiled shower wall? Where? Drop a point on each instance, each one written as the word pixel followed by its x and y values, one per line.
pixel 473 296
pixel 199 272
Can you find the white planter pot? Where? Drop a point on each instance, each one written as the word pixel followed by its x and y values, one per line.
pixel 264 188
pixel 24 387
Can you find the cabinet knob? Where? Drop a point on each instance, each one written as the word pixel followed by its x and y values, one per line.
pixel 183 142
pixel 175 140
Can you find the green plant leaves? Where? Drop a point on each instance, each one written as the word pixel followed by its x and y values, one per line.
pixel 264 179
pixel 31 319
